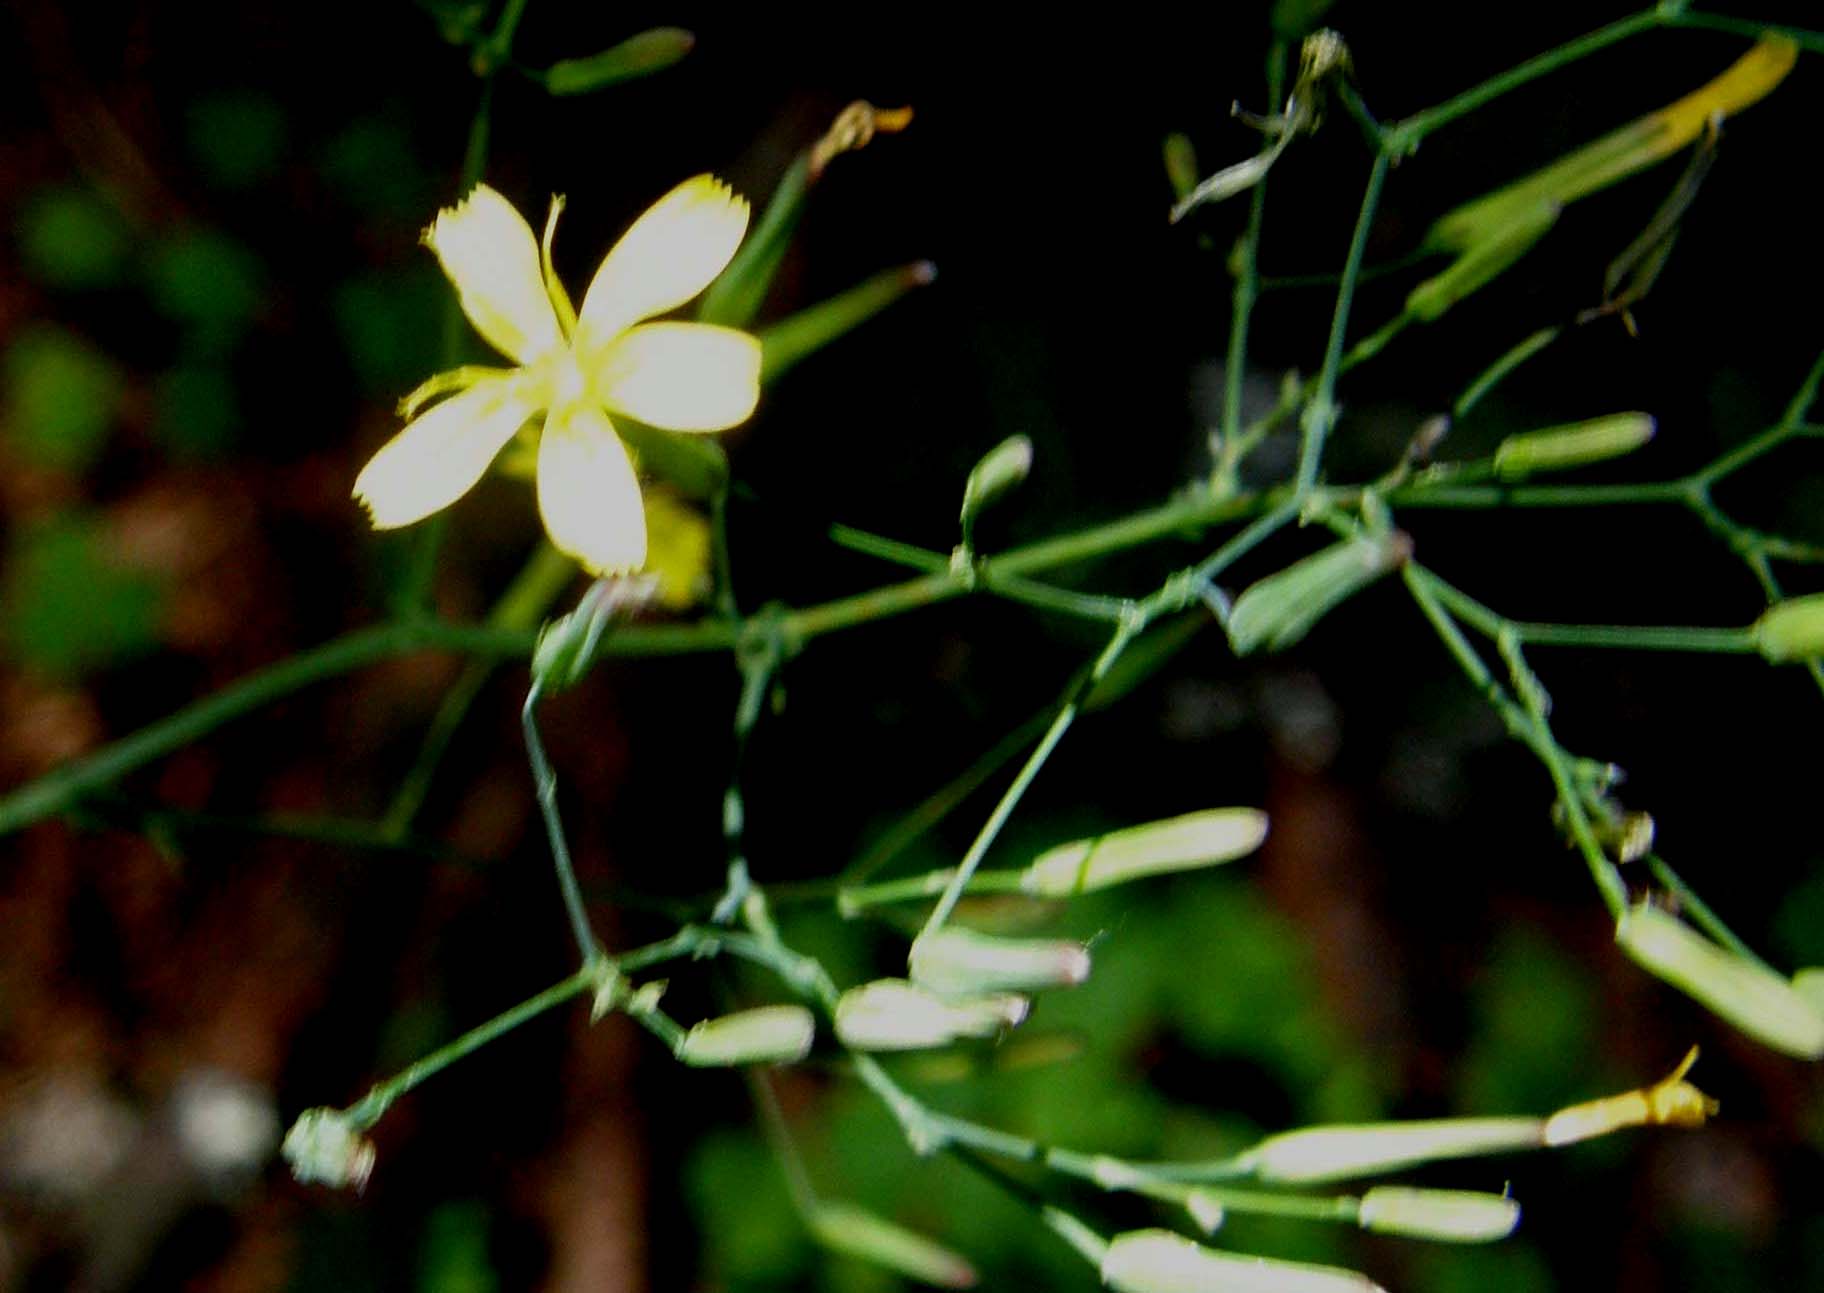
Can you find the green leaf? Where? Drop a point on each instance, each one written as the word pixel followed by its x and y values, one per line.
pixel 61 396
pixel 209 281
pixel 71 237
pixel 195 413
pixel 637 56
pixel 69 608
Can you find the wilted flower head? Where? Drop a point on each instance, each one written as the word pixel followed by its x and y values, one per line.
pixel 576 366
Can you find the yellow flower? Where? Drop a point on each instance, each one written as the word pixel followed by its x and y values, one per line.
pixel 574 368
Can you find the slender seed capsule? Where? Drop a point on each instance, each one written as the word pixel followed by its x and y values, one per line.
pixel 1753 998
pixel 848 1228
pixel 1336 1153
pixel 1174 844
pixel 1159 1261
pixel 894 1015
pixel 1450 1216
pixel 1574 445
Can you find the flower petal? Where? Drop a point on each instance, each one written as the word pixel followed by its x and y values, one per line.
pixel 588 493
pixel 440 455
pixel 671 253
pixel 680 376
pixel 489 253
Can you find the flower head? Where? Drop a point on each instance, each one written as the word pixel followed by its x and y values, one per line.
pixel 575 367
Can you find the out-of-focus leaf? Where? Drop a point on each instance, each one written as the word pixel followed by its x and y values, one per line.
pixel 389 327
pixel 70 237
pixel 454 1258
pixel 68 608
pixel 60 398
pixel 237 137
pixel 374 167
pixel 196 413
pixel 209 281
pixel 637 56
pixel 744 1215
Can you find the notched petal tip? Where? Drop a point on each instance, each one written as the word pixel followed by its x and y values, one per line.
pixel 669 255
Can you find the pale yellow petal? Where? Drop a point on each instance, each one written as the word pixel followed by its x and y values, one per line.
pixel 588 493
pixel 440 455
pixel 680 376
pixel 489 253
pixel 671 253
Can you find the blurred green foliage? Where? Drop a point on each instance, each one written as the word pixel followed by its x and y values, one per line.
pixel 61 397
pixel 69 607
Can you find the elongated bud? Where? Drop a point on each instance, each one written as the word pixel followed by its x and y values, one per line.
pixel 566 645
pixel 1339 1152
pixel 324 1148
pixel 1621 153
pixel 1792 629
pixel 1449 1216
pixel 1280 609
pixel 800 335
pixel 1001 469
pixel 1574 445
pixel 1180 164
pixel 1159 1261
pixel 1670 1102
pixel 895 1015
pixel 765 1035
pixel 962 962
pixel 854 1230
pixel 1809 983
pixel 1175 844
pixel 1754 999
pixel 1481 263
pixel 641 55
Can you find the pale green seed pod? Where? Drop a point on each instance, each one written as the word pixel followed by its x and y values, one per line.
pixel 1281 609
pixel 764 1035
pixel 324 1148
pixel 854 1230
pixel 1159 1261
pixel 1450 1216
pixel 1792 629
pixel 895 1015
pixel 961 962
pixel 1176 844
pixel 1809 983
pixel 637 56
pixel 1001 470
pixel 1574 445
pixel 1481 262
pixel 1339 1152
pixel 1755 1000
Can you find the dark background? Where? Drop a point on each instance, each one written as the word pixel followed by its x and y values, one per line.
pixel 215 213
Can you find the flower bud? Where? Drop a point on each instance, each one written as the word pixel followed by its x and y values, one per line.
pixel 1671 1101
pixel 959 962
pixel 1159 1261
pixel 1574 445
pixel 894 1015
pixel 849 1229
pixel 1001 469
pixel 1175 844
pixel 1281 609
pixel 1751 997
pixel 1480 263
pixel 566 645
pixel 641 55
pixel 765 1035
pixel 1338 1152
pixel 1450 1216
pixel 1792 629
pixel 325 1148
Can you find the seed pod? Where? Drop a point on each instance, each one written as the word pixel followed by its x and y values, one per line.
pixel 894 1015
pixel 1339 1152
pixel 961 962
pixel 1573 445
pixel 847 1228
pixel 1159 1261
pixel 1450 1216
pixel 1280 609
pixel 1175 844
pixel 1754 999
pixel 764 1035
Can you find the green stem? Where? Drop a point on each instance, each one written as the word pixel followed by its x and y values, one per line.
pixel 544 780
pixel 1404 136
pixel 526 602
pixel 365 1112
pixel 58 790
pixel 1320 410
pixel 1247 291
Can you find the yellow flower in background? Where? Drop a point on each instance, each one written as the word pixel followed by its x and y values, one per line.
pixel 575 367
